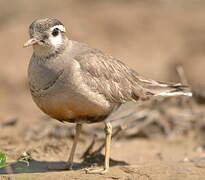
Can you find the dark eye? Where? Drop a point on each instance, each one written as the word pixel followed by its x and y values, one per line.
pixel 55 32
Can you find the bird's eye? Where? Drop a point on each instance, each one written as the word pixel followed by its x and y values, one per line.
pixel 55 32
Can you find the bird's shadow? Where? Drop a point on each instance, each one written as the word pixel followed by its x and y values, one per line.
pixel 35 166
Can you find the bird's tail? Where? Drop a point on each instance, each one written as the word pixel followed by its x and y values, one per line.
pixel 173 90
pixel 157 88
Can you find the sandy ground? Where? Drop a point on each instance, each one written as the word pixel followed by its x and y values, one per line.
pixel 133 159
pixel 150 36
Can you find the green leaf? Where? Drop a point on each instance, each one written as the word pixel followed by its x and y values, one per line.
pixel 25 158
pixel 2 160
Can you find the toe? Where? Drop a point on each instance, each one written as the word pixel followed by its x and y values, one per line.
pixel 95 171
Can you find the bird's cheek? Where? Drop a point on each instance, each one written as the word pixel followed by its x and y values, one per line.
pixel 56 41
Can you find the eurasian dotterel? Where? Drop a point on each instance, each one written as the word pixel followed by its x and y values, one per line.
pixel 73 82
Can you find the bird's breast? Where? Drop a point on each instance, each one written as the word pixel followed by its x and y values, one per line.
pixel 62 94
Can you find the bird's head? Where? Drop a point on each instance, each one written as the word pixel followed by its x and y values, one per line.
pixel 46 35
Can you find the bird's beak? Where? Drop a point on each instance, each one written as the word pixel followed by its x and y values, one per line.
pixel 31 42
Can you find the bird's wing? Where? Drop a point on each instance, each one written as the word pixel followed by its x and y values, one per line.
pixel 110 77
pixel 118 83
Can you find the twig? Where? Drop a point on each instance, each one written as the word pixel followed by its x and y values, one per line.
pixel 181 74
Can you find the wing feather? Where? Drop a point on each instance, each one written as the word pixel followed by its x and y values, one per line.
pixel 118 83
pixel 110 77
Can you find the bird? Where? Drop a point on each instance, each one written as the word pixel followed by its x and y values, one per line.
pixel 73 82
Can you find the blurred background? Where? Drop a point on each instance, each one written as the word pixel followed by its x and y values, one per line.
pixel 150 36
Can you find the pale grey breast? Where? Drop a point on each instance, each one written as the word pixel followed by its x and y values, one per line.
pixel 58 87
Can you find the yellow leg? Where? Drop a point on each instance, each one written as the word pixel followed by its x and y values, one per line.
pixel 108 133
pixel 75 142
pixel 70 160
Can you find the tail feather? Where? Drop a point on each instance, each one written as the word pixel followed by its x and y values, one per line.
pixel 157 88
pixel 175 93
pixel 173 90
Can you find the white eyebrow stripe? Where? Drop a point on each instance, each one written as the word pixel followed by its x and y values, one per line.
pixel 61 27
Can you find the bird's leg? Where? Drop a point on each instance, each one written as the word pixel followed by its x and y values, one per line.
pixel 75 142
pixel 70 160
pixel 108 134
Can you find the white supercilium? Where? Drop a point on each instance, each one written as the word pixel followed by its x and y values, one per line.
pixel 57 40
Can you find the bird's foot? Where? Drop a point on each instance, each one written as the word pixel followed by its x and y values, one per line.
pixel 96 170
pixel 68 166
